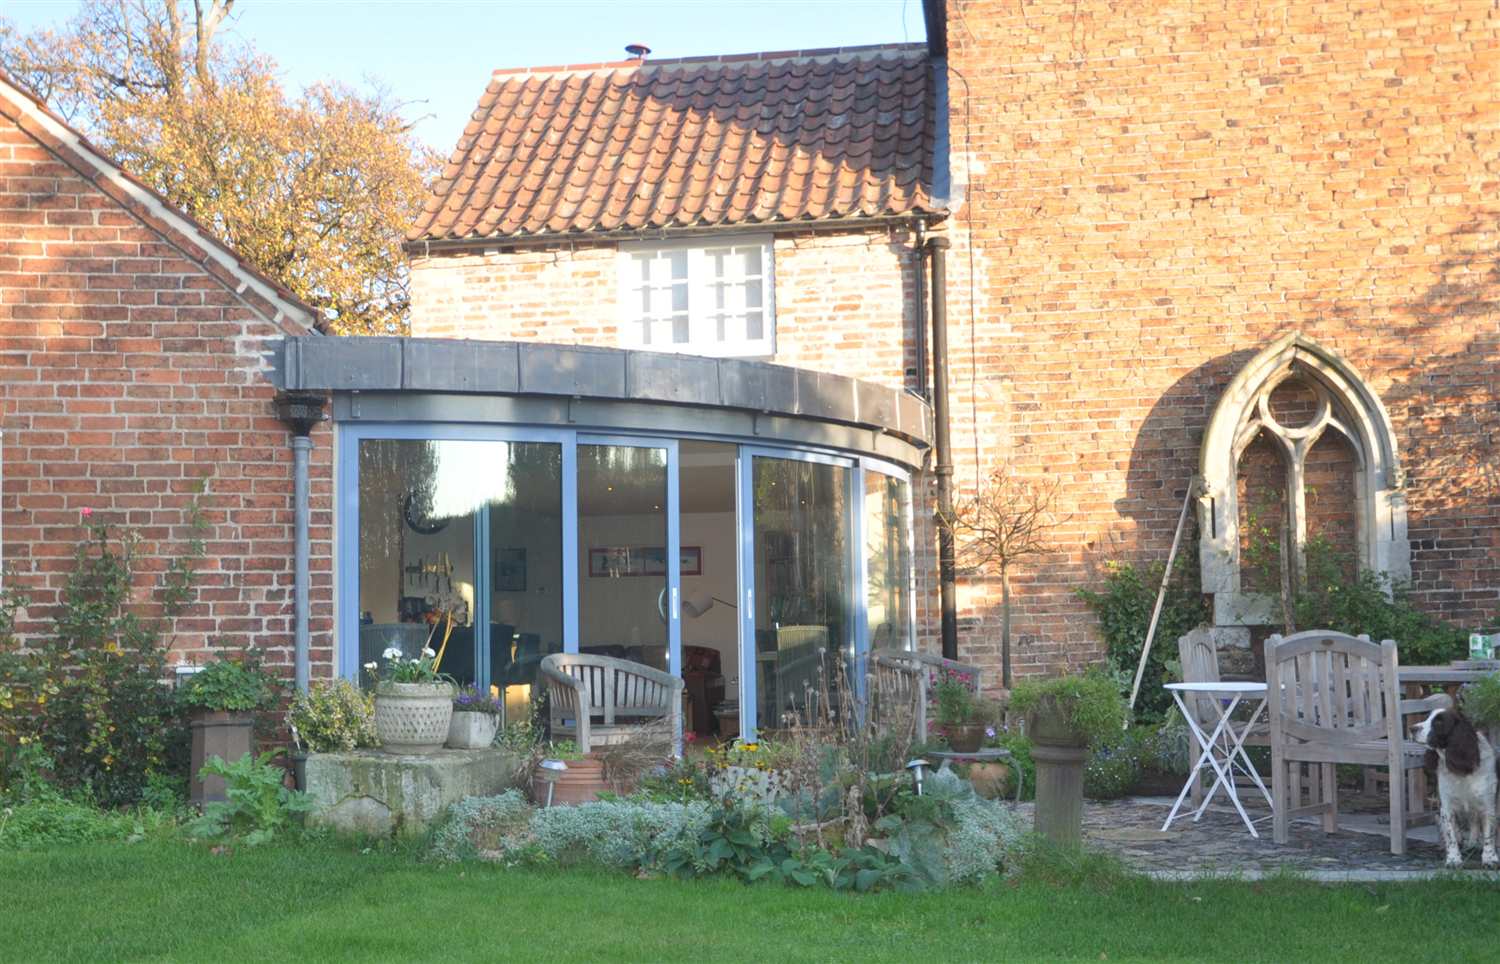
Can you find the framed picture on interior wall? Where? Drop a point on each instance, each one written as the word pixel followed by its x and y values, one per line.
pixel 510 570
pixel 692 561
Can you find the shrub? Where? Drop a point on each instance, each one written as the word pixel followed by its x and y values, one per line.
pixel 230 685
pixel 1124 608
pixel 258 805
pixel 481 826
pixel 1091 702
pixel 623 834
pixel 92 697
pixel 40 824
pixel 1481 700
pixel 333 716
pixel 1114 766
pixel 954 692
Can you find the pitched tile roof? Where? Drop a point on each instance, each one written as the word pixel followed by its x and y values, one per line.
pixel 796 136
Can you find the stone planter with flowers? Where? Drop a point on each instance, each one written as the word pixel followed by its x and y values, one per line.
pixel 413 703
pixel 476 717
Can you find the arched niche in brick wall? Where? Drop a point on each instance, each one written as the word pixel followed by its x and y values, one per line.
pixel 1305 402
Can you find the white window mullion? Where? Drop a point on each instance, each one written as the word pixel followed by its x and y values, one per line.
pixel 710 286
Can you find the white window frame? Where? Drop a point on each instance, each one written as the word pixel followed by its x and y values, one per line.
pixel 701 309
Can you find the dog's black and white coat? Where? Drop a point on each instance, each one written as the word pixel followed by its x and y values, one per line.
pixel 1465 764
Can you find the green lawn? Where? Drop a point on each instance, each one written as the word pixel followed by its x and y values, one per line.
pixel 168 900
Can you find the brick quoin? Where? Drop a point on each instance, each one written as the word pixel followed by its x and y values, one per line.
pixel 131 371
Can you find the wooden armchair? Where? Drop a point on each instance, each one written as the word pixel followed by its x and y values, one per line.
pixel 620 694
pixel 1334 698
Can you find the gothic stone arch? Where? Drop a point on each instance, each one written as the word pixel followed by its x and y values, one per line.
pixel 1343 404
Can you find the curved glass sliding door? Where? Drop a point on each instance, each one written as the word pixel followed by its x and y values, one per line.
pixel 802 615
pixel 760 575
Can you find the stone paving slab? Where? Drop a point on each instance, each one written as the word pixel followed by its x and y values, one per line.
pixel 1219 846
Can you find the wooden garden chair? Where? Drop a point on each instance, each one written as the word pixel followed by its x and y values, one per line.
pixel 1200 664
pixel 1334 698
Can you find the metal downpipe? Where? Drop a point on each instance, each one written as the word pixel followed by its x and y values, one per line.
pixel 947 566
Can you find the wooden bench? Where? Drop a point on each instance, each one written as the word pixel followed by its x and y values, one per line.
pixel 596 700
pixel 902 677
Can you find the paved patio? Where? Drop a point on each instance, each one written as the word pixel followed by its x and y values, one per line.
pixel 1219 845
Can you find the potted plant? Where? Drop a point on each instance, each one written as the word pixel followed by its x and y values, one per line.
pixel 958 716
pixel 221 701
pixel 1481 703
pixel 476 717
pixel 333 716
pixel 413 703
pixel 1064 715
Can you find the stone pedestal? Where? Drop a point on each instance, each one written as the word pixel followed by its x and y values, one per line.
pixel 1059 791
pixel 383 794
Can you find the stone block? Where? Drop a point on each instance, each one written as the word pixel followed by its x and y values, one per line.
pixel 380 794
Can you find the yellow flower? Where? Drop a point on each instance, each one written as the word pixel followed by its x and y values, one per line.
pixel 41 700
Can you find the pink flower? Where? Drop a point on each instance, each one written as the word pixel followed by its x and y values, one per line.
pixel 689 736
pixel 87 512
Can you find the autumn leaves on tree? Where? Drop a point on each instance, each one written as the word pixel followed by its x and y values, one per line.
pixel 313 189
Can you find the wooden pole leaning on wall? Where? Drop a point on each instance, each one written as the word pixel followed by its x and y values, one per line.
pixel 1161 592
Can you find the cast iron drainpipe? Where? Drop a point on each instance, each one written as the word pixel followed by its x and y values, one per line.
pixel 301 411
pixel 947 574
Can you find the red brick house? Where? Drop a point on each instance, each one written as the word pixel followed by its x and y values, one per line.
pixel 668 391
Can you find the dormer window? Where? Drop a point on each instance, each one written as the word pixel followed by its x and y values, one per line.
pixel 713 299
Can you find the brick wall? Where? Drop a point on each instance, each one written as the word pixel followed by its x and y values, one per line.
pixel 1153 192
pixel 1147 195
pixel 128 372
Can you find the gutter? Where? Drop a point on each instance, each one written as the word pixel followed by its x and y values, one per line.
pixel 427 247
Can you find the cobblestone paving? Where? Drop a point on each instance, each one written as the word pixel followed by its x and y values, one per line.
pixel 1219 844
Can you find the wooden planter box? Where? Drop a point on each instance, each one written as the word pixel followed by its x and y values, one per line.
pixel 226 735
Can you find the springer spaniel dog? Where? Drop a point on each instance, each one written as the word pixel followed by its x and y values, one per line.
pixel 1465 764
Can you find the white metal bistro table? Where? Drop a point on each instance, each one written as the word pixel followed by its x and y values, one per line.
pixel 1224 748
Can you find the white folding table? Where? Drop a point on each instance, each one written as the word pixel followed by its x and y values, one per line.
pixel 1224 748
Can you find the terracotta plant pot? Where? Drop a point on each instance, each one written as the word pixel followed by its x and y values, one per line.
pixel 990 780
pixel 413 718
pixel 226 735
pixel 581 782
pixel 472 731
pixel 964 737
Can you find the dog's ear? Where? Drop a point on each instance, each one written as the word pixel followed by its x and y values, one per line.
pixel 1430 761
pixel 1463 746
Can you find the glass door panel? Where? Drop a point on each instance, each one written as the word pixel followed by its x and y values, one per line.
pixel 625 553
pixel 422 504
pixel 523 551
pixel 887 538
pixel 802 614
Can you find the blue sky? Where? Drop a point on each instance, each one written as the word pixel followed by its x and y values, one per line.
pixel 438 54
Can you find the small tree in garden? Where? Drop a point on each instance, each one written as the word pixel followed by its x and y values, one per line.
pixel 998 527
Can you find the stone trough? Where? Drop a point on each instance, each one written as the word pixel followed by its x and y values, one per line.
pixel 380 794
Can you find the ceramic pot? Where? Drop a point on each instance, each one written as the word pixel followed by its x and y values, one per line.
pixel 581 782
pixel 964 737
pixel 413 717
pixel 472 731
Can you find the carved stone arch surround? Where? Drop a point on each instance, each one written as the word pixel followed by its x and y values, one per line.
pixel 1345 405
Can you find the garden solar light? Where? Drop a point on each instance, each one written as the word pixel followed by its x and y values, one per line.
pixel 552 771
pixel 916 767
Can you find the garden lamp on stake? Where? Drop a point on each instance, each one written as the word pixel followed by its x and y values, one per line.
pixel 552 771
pixel 917 767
